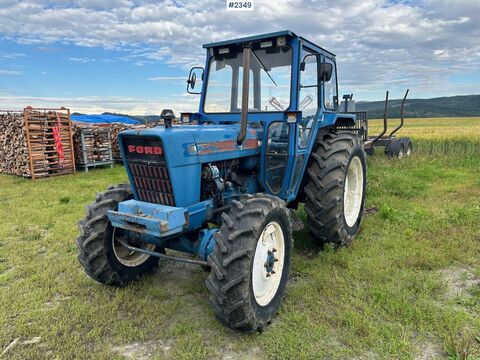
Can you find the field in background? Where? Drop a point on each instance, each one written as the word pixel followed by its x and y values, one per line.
pixel 407 288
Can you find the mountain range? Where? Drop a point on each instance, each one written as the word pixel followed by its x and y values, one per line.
pixel 450 106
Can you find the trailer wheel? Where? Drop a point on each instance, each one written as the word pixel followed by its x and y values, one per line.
pixel 103 258
pixel 395 148
pixel 407 146
pixel 400 149
pixel 335 192
pixel 370 151
pixel 251 262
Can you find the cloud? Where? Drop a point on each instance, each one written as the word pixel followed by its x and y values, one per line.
pixel 81 59
pixel 379 43
pixel 10 72
pixel 99 104
pixel 11 56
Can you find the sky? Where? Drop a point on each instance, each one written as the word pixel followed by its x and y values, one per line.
pixel 133 56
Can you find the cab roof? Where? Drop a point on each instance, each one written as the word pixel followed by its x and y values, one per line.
pixel 286 33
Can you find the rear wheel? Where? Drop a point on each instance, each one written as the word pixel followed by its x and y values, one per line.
pixel 407 146
pixel 251 262
pixel 102 254
pixel 335 192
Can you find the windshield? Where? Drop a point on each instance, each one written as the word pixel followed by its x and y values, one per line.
pixel 270 73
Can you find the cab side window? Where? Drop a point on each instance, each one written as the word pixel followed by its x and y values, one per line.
pixel 330 89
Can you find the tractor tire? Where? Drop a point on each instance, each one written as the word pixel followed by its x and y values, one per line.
pixel 407 145
pixel 395 148
pixel 335 191
pixel 250 262
pixel 100 256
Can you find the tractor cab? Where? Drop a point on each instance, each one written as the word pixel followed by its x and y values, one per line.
pixel 289 88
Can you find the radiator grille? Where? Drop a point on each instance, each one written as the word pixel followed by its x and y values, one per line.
pixel 152 183
pixel 148 167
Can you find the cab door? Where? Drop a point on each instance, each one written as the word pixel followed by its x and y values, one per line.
pixel 277 155
pixel 309 104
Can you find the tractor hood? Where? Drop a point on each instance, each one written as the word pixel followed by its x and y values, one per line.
pixel 193 144
pixel 164 165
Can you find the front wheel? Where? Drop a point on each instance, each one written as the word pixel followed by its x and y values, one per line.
pixel 102 254
pixel 251 262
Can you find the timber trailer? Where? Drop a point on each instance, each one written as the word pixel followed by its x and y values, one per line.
pixel 393 147
pixel 268 136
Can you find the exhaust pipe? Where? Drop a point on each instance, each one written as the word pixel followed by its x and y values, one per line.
pixel 245 88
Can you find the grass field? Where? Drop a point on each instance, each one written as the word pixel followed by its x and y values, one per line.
pixel 407 288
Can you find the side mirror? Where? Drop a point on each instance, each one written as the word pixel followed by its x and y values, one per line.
pixel 309 58
pixel 195 74
pixel 325 71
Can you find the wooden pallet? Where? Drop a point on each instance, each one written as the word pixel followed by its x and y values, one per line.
pixel 28 148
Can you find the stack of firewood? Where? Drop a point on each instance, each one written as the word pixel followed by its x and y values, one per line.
pixel 92 144
pixel 13 144
pixel 115 129
pixel 36 143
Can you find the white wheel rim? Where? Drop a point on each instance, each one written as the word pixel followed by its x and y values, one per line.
pixel 127 257
pixel 265 283
pixel 353 191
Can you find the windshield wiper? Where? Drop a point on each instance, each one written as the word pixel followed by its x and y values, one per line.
pixel 263 66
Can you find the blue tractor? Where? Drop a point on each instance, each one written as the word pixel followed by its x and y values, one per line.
pixel 223 185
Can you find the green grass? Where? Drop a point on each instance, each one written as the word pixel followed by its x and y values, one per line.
pixel 404 288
